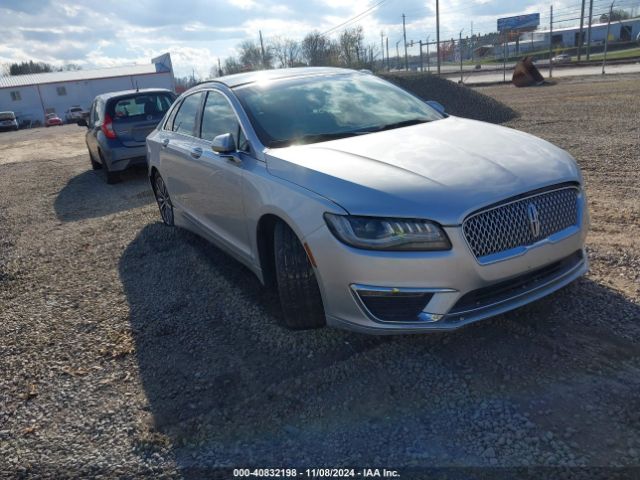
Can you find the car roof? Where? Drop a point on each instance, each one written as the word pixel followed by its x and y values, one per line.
pixel 126 93
pixel 8 111
pixel 238 79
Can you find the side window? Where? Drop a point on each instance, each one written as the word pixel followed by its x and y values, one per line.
pixel 94 113
pixel 218 118
pixel 185 119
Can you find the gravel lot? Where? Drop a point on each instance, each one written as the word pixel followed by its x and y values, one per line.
pixel 130 349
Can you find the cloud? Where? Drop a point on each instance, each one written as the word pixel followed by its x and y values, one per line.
pixel 95 33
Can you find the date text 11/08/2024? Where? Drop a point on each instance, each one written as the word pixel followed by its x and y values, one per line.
pixel 316 473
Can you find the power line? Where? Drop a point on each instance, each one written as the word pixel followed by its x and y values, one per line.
pixel 361 15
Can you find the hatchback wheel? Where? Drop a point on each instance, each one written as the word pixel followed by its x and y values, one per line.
pixel 163 199
pixel 95 165
pixel 110 177
pixel 297 286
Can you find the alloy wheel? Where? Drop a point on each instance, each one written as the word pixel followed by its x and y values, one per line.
pixel 164 201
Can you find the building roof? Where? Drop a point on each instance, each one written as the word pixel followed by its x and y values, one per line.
pixel 280 73
pixel 79 75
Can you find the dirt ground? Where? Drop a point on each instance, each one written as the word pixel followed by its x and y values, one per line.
pixel 131 349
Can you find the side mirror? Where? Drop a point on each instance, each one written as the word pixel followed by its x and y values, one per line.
pixel 82 122
pixel 436 106
pixel 224 144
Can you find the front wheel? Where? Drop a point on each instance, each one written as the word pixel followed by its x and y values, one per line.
pixel 163 199
pixel 297 286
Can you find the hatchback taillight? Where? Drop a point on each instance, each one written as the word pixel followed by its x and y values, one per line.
pixel 107 127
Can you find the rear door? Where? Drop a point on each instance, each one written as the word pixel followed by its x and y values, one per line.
pixel 135 116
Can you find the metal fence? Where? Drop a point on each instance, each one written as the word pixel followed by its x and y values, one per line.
pixel 600 33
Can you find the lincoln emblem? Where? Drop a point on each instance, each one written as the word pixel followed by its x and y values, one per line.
pixel 534 220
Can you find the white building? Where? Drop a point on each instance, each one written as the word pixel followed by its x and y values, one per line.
pixel 31 97
pixel 568 37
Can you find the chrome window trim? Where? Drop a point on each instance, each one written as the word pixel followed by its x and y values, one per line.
pixel 521 250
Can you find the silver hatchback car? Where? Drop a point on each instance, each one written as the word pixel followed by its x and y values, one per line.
pixel 365 206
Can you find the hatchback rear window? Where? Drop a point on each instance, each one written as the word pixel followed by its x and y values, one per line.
pixel 7 116
pixel 154 104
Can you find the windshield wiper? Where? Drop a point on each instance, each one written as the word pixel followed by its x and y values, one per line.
pixel 313 138
pixel 391 126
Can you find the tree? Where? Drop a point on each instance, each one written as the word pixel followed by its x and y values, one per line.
pixel 287 52
pixel 316 49
pixel 25 68
pixel 351 49
pixel 232 65
pixel 251 56
pixel 616 16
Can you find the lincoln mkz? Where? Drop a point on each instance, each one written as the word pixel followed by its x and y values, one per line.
pixel 365 206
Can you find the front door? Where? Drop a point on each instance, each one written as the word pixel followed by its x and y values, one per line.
pixel 219 181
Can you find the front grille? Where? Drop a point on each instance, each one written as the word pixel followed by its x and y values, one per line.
pixel 511 225
pixel 394 306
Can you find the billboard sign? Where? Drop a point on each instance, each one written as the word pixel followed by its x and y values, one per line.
pixel 520 22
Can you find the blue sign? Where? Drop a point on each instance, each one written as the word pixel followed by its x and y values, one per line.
pixel 520 22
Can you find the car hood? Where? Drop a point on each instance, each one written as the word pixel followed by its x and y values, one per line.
pixel 441 170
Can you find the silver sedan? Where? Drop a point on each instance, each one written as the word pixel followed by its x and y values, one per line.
pixel 366 207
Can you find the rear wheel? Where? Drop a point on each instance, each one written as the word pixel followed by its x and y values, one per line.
pixel 110 177
pixel 297 286
pixel 95 165
pixel 163 199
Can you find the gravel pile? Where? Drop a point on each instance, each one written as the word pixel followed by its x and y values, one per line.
pixel 457 99
pixel 129 349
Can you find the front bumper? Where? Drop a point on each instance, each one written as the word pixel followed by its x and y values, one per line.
pixel 459 289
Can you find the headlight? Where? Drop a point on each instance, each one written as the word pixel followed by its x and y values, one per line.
pixel 387 233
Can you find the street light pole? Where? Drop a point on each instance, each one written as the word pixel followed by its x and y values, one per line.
pixel 404 36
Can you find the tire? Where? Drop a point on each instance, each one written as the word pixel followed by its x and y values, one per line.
pixel 163 199
pixel 110 177
pixel 94 165
pixel 297 286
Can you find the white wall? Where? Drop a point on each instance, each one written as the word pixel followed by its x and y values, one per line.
pixel 28 107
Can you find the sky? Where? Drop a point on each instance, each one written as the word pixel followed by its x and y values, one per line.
pixel 95 34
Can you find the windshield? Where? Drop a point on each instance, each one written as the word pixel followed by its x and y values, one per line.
pixel 316 109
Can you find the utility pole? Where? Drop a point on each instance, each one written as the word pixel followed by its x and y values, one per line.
pixel 262 50
pixel 428 56
pixel 388 64
pixel 580 42
pixel 606 40
pixel 421 64
pixel 551 42
pixel 438 33
pixel 382 49
pixel 219 68
pixel 398 55
pixel 589 30
pixel 460 50
pixel 404 35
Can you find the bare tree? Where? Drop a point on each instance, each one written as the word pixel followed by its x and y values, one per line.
pixel 351 48
pixel 232 65
pixel 317 49
pixel 287 52
pixel 251 56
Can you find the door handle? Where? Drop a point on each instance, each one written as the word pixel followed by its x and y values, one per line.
pixel 196 152
pixel 165 142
